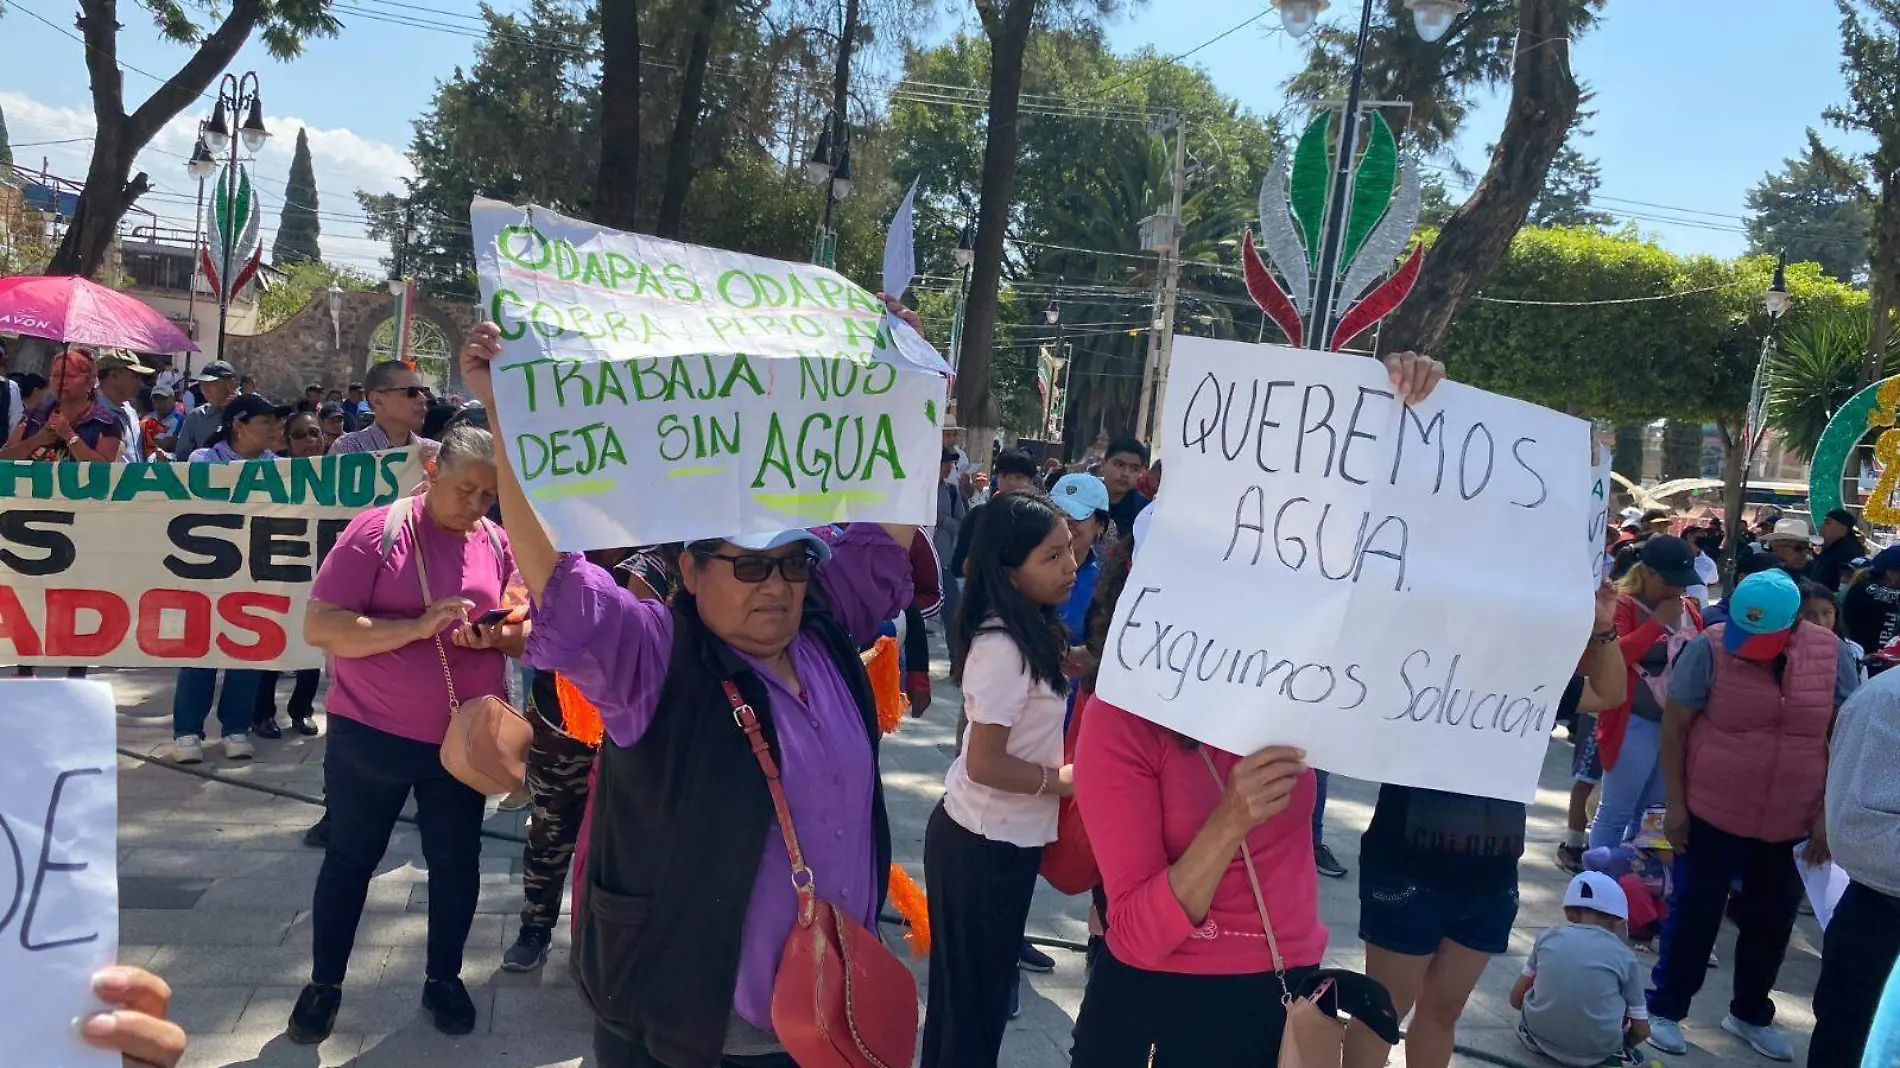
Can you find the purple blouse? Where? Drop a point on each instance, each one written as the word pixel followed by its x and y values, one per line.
pixel 616 648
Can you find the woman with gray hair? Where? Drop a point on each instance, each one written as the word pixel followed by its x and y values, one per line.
pixel 392 605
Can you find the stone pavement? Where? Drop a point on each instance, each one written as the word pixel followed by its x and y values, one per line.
pixel 216 890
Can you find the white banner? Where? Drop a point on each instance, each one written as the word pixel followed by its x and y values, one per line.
pixel 1380 586
pixel 652 391
pixel 59 807
pixel 1599 505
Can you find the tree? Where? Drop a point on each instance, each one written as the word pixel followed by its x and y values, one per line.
pixel 1870 52
pixel 111 188
pixel 299 230
pixel 679 155
pixel 1572 181
pixel 302 281
pixel 1807 212
pixel 1815 370
pixel 6 147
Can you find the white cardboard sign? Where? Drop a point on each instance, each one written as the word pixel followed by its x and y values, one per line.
pixel 59 883
pixel 652 391
pixel 1383 587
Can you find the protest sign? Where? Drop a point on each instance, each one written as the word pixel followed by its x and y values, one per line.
pixel 186 565
pixel 1599 505
pixel 1375 584
pixel 651 391
pixel 59 898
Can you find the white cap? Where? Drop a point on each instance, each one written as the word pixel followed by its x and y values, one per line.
pixel 1595 890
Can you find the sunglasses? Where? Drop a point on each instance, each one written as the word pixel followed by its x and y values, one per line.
pixel 756 568
pixel 411 392
pixel 306 433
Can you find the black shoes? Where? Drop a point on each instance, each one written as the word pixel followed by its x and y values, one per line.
pixel 529 952
pixel 318 836
pixel 1031 959
pixel 1327 864
pixel 305 726
pixel 447 1000
pixel 315 1014
pixel 267 728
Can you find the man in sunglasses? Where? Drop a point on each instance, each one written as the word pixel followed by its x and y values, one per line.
pixel 398 404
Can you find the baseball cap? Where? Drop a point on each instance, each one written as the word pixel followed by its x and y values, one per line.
pixel 1595 890
pixel 760 543
pixel 250 406
pixel 1761 612
pixel 116 360
pixel 330 410
pixel 161 391
pixel 1671 559
pixel 1080 496
pixel 1887 559
pixel 216 371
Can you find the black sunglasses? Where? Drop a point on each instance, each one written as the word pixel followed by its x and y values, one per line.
pixel 756 567
pixel 412 392
pixel 306 432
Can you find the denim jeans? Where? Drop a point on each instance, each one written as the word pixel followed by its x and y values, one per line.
pixel 1319 806
pixel 191 701
pixel 1632 786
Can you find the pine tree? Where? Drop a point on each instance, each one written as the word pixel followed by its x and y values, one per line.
pixel 6 147
pixel 299 230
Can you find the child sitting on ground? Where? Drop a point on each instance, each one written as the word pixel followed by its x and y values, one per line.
pixel 1581 992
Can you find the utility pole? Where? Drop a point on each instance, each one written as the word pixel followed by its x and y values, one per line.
pixel 1162 234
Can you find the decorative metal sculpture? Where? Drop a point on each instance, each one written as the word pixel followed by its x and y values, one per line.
pixel 1376 221
pixel 231 241
pixel 1873 408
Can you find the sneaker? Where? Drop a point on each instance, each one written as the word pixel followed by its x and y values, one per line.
pixel 238 747
pixel 315 1015
pixel 515 802
pixel 188 750
pixel 529 952
pixel 318 836
pixel 1666 1035
pixel 1031 959
pixel 1763 1040
pixel 447 1000
pixel 1570 858
pixel 1327 864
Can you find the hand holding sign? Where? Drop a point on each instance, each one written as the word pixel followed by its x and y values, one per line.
pixel 137 1027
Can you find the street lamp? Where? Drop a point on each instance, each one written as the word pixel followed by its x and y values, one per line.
pixel 966 247
pixel 1776 302
pixel 830 167
pixel 1300 16
pixel 1433 18
pixel 202 166
pixel 965 257
pixel 236 95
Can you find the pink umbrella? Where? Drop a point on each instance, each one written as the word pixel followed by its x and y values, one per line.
pixel 67 308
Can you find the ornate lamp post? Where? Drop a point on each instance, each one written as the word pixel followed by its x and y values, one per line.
pixel 830 167
pixel 1776 302
pixel 232 225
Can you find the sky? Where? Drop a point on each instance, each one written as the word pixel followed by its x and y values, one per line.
pixel 1694 99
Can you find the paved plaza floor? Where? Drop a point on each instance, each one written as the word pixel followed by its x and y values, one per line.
pixel 216 886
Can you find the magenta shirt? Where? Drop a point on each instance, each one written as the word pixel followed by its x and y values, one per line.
pixel 615 648
pixel 403 691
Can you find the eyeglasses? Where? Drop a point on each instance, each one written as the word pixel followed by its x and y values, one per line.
pixel 411 392
pixel 306 434
pixel 756 568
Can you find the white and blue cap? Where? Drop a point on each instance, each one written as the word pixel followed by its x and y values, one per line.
pixel 760 543
pixel 1080 496
pixel 1595 890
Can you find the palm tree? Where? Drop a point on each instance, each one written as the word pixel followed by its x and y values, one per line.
pixel 1816 370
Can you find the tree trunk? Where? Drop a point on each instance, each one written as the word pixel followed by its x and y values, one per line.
pixel 1880 329
pixel 679 156
pixel 1544 100
pixel 1008 31
pixel 1734 456
pixel 1682 450
pixel 1626 457
pixel 617 182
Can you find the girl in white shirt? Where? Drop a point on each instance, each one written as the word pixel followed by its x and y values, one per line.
pixel 984 843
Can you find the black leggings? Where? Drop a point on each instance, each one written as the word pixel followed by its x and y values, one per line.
pixel 612 1051
pixel 1187 1021
pixel 979 892
pixel 303 694
pixel 367 776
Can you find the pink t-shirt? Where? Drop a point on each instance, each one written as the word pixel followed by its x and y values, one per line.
pixel 403 691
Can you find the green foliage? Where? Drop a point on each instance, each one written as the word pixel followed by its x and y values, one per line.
pixel 1816 370
pixel 1813 209
pixel 299 231
pixel 1572 181
pixel 301 281
pixel 285 25
pixel 1690 357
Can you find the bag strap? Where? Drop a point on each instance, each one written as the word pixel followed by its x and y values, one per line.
pixel 748 721
pixel 422 576
pixel 1259 897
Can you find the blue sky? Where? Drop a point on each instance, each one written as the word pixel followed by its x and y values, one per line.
pixel 1694 100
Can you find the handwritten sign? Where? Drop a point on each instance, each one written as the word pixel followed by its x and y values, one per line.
pixel 1599 510
pixel 152 565
pixel 1377 585
pixel 59 898
pixel 652 391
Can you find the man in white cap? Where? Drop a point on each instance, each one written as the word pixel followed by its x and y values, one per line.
pixel 1581 990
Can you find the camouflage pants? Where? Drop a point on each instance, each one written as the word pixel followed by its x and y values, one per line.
pixel 558 770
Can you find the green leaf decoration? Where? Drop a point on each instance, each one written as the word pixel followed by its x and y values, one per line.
pixel 1312 167
pixel 1371 187
pixel 221 201
pixel 242 216
pixel 930 411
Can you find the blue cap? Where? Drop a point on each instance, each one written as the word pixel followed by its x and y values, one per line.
pixel 1761 612
pixel 1887 559
pixel 1080 496
pixel 759 543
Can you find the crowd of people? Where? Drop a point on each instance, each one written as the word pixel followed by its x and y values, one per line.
pixel 1724 737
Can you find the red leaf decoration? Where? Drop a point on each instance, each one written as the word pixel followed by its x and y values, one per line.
pixel 1379 303
pixel 1272 299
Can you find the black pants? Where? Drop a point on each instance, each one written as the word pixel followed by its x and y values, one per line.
pixel 303 695
pixel 612 1051
pixel 1187 1021
pixel 71 672
pixel 979 894
pixel 559 769
pixel 367 776
pixel 1764 916
pixel 1858 953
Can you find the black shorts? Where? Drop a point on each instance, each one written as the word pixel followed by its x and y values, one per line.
pixel 1403 914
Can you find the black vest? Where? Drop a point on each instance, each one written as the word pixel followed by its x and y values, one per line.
pixel 679 823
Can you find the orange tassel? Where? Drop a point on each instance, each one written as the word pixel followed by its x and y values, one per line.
pixel 887 683
pixel 578 714
pixel 909 900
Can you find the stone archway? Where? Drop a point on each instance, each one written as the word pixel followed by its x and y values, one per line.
pixel 312 348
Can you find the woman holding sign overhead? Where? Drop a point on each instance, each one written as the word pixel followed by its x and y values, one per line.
pixel 742 701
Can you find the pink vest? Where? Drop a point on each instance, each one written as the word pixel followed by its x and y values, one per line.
pixel 1757 761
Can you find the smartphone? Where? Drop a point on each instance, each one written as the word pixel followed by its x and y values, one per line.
pixel 492 617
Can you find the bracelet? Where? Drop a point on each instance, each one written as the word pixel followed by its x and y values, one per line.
pixel 1044 786
pixel 1604 637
